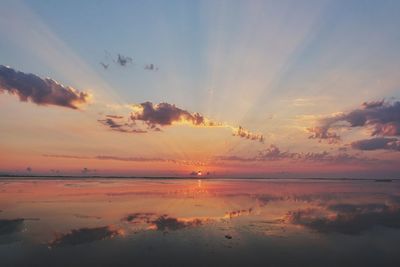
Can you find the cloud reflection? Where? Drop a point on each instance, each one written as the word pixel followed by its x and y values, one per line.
pixel 349 219
pixel 84 235
pixel 165 223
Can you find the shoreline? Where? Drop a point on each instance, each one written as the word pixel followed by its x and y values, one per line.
pixel 75 177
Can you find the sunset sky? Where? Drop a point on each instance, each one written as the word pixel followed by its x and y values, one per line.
pixel 228 88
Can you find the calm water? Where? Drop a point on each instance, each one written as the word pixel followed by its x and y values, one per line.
pixel 138 222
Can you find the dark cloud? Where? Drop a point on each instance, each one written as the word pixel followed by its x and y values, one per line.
pixel 83 235
pixel 114 123
pixel 350 219
pixel 377 143
pixel 123 60
pixel 29 87
pixel 164 114
pixel 115 116
pixel 373 104
pixel 11 226
pixel 382 118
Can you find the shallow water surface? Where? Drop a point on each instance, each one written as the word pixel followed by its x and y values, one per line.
pixel 162 222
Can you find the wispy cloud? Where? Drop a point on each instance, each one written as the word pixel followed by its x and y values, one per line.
pixel 115 124
pixel 274 153
pixel 42 91
pixel 105 157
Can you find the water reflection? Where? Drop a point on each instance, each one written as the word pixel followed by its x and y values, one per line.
pixel 199 223
pixel 347 218
pixel 84 235
pixel 11 226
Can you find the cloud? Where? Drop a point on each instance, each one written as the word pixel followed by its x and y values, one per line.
pixel 83 235
pixel 105 157
pixel 123 60
pixel 115 124
pixel 164 114
pixel 322 133
pixel 156 116
pixel 29 87
pixel 382 118
pixel 137 159
pixel 373 104
pixel 65 156
pixel 115 116
pixel 273 153
pixel 243 133
pixel 377 143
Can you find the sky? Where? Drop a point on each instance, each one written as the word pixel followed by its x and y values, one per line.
pixel 217 88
